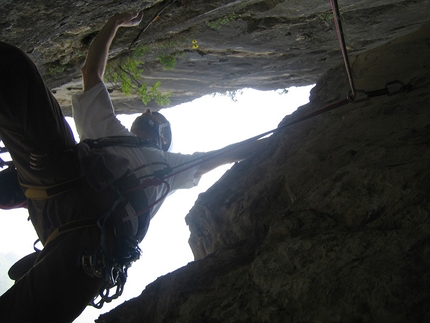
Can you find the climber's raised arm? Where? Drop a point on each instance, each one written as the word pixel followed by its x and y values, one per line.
pixel 95 63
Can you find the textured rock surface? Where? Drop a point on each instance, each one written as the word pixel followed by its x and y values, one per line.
pixel 330 224
pixel 245 43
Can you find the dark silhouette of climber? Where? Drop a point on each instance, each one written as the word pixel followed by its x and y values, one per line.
pixel 90 203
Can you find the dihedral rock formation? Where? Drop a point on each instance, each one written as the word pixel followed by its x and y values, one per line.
pixel 330 224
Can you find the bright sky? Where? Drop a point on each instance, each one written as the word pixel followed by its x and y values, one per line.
pixel 205 124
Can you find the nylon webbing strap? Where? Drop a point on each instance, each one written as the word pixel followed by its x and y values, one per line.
pixel 45 192
pixel 71 226
pixel 127 141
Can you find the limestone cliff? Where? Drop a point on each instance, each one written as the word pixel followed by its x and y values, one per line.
pixel 330 224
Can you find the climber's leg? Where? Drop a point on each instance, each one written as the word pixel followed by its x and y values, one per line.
pixel 30 117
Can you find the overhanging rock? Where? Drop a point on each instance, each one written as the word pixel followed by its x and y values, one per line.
pixel 248 43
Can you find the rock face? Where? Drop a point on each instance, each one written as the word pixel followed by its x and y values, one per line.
pixel 330 224
pixel 248 43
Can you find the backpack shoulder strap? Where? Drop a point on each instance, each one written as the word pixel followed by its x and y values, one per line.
pixel 127 141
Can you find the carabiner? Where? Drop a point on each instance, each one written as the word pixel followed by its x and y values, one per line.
pixel 352 97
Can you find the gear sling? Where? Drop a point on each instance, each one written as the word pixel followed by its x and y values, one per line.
pixel 57 287
pixel 127 219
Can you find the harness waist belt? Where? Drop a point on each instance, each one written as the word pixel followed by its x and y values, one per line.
pixel 71 226
pixel 45 192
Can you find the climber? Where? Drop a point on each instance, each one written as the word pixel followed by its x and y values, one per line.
pixel 85 200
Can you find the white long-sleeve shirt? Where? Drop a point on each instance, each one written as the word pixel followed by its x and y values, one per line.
pixel 95 118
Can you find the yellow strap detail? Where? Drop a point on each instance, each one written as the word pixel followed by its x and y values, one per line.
pixel 45 192
pixel 68 227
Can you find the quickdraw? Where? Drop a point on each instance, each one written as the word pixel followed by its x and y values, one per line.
pixel 111 265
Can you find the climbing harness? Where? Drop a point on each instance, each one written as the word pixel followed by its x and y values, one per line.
pixel 69 227
pixel 111 262
pixel 121 228
pixel 44 192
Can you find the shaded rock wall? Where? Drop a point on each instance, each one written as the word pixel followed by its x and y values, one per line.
pixel 330 224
